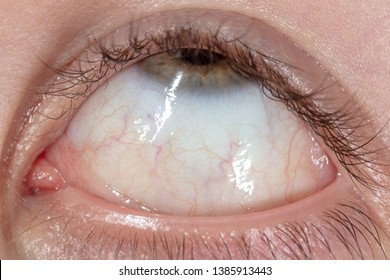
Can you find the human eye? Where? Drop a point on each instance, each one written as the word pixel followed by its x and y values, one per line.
pixel 211 136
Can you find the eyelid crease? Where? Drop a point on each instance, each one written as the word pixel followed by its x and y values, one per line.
pixel 335 118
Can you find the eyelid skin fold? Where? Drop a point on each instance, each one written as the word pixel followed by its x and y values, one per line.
pixel 294 78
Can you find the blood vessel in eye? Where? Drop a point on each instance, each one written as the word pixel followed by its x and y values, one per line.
pixel 181 133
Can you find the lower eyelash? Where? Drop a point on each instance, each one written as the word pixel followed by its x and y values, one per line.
pixel 359 225
pixel 354 235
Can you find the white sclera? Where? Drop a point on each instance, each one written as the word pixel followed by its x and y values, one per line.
pixel 196 151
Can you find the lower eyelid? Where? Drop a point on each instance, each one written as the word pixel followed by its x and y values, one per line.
pixel 98 229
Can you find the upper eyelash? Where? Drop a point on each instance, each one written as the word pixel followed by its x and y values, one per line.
pixel 339 128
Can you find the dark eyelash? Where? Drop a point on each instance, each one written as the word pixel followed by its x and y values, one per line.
pixel 355 236
pixel 354 232
pixel 339 127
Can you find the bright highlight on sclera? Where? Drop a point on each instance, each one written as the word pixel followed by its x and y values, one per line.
pixel 181 143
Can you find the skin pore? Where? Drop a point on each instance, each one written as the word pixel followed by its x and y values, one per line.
pixel 349 41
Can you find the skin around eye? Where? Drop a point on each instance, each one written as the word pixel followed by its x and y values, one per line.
pixel 73 223
pixel 189 143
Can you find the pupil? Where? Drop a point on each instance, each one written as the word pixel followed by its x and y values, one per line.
pixel 200 57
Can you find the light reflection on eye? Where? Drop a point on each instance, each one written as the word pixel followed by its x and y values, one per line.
pixel 181 136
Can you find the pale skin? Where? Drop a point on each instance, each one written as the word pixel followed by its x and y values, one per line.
pixel 351 41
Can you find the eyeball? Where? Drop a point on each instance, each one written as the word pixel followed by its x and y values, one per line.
pixel 182 133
